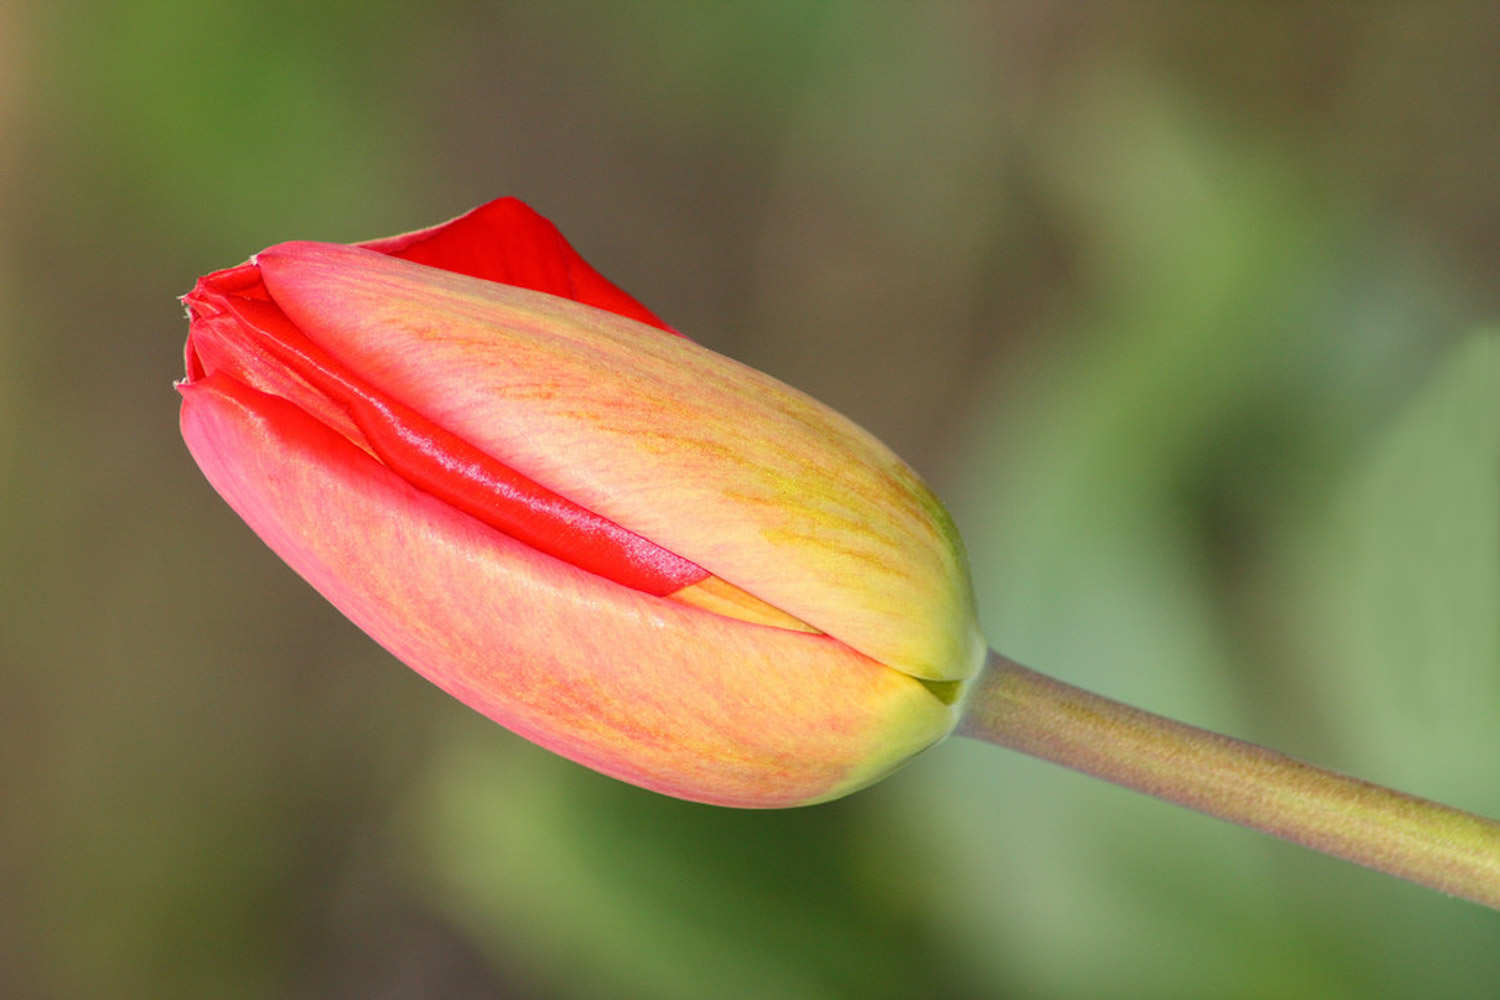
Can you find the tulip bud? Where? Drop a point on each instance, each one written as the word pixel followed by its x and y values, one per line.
pixel 629 549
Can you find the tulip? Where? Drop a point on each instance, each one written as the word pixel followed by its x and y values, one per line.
pixel 625 547
pixel 658 562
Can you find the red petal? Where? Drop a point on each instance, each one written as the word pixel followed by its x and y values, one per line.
pixel 507 242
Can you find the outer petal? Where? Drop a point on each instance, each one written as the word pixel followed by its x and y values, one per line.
pixel 750 479
pixel 676 699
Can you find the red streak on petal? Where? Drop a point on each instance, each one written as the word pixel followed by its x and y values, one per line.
pixel 219 341
pixel 508 242
pixel 429 457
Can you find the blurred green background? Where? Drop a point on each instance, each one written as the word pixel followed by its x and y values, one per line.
pixel 1188 311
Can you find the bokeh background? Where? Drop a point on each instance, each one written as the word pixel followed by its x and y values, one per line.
pixel 1188 310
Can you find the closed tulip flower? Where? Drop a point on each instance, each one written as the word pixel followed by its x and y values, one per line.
pixel 656 561
pixel 629 549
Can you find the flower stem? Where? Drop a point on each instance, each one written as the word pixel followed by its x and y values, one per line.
pixel 1425 842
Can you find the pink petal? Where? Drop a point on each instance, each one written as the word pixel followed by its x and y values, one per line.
pixel 679 700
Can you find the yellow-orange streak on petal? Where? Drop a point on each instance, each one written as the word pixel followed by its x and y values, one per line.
pixel 724 598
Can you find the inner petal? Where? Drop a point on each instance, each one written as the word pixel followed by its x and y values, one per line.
pixel 508 242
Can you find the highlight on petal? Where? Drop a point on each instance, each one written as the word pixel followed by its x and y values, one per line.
pixel 769 717
pixel 742 475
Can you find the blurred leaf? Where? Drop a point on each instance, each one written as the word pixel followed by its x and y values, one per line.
pixel 607 890
pixel 1126 509
pixel 1399 590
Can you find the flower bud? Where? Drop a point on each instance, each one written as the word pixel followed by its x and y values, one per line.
pixel 629 549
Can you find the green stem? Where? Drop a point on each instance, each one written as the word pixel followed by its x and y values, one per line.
pixel 1428 843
